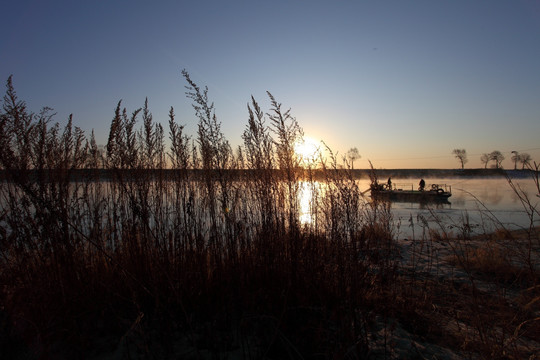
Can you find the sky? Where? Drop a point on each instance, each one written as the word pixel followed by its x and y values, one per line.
pixel 405 82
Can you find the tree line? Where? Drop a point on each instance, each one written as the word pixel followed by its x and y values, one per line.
pixel 496 157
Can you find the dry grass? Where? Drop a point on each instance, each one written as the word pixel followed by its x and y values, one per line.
pixel 104 251
pixel 490 262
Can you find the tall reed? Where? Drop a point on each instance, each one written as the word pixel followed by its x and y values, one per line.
pixel 150 244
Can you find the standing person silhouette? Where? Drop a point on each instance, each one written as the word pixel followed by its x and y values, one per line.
pixel 422 185
pixel 390 183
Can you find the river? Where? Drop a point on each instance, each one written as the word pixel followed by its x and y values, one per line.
pixel 484 203
pixel 477 205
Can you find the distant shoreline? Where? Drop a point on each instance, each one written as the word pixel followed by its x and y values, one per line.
pixel 171 174
pixel 444 173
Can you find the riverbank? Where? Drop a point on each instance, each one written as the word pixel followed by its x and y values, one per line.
pixel 484 286
pixel 441 297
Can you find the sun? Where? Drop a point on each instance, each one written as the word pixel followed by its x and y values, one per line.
pixel 308 150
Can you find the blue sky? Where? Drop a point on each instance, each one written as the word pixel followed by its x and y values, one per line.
pixel 405 82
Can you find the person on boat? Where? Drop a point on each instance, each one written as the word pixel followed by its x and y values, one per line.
pixel 390 183
pixel 422 185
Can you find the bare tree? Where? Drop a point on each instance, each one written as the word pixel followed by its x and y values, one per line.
pixel 461 155
pixel 525 160
pixel 515 158
pixel 498 157
pixel 353 154
pixel 485 160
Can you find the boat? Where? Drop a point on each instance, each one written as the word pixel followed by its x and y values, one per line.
pixel 398 192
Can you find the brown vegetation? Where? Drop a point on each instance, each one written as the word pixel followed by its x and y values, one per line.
pixel 192 262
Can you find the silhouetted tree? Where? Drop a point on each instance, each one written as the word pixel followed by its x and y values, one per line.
pixel 353 154
pixel 485 160
pixel 515 158
pixel 498 157
pixel 461 155
pixel 525 160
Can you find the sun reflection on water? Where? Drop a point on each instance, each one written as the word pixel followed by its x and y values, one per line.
pixel 307 199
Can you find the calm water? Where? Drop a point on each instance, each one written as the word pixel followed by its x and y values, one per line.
pixel 484 203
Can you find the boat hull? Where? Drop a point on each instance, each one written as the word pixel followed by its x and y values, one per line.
pixel 411 195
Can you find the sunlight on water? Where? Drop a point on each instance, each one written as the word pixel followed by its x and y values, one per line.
pixel 471 199
pixel 306 200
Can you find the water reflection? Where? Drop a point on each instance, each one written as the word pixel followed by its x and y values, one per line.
pixel 306 200
pixel 486 203
pixel 490 195
pixel 471 199
pixel 423 203
pixel 308 192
